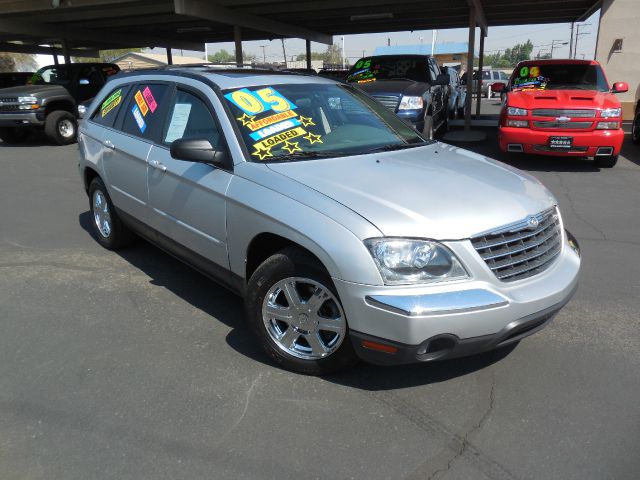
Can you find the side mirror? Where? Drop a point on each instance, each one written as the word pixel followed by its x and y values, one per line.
pixel 498 87
pixel 620 87
pixel 198 150
pixel 442 79
pixel 84 81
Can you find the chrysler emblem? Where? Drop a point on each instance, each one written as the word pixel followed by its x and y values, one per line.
pixel 532 223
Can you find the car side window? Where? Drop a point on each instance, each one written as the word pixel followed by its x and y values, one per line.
pixel 142 117
pixel 504 76
pixel 109 107
pixel 486 75
pixel 189 117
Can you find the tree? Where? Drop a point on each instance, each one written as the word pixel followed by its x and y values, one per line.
pixel 222 56
pixel 16 62
pixel 332 55
pixel 511 56
pixel 106 56
pixel 314 56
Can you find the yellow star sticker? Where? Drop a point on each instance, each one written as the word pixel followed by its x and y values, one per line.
pixel 291 147
pixel 313 138
pixel 246 119
pixel 262 151
pixel 306 121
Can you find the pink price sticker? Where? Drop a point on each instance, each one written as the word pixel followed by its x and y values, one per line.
pixel 148 96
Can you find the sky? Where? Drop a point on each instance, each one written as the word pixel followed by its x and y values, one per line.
pixel 499 38
pixel 357 46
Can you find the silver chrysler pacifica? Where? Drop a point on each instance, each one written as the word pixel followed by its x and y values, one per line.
pixel 348 234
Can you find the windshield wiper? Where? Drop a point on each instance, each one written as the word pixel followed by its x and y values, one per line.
pixel 308 155
pixel 389 147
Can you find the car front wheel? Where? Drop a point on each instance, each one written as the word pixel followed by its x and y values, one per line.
pixel 294 311
pixel 607 162
pixel 61 127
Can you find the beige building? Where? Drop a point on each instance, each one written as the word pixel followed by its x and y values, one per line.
pixel 137 60
pixel 618 48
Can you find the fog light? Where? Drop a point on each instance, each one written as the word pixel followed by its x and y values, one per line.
pixel 608 126
pixel 517 123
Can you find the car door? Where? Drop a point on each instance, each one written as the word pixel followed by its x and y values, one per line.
pixel 187 199
pixel 127 145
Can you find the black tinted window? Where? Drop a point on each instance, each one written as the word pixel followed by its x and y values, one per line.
pixel 189 117
pixel 108 110
pixel 389 67
pixel 142 117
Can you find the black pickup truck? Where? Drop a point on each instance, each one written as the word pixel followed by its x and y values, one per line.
pixel 410 85
pixel 50 101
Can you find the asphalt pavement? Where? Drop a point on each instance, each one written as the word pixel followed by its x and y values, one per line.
pixel 131 365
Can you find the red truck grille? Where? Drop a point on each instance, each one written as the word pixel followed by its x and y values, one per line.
pixel 552 112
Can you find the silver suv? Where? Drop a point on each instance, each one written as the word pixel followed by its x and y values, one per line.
pixel 347 233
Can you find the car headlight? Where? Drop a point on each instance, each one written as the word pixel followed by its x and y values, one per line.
pixel 517 112
pixel 403 261
pixel 411 103
pixel 610 112
pixel 29 99
pixel 82 110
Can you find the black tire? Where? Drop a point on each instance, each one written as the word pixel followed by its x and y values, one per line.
pixel 61 127
pixel 427 130
pixel 14 135
pixel 118 235
pixel 288 263
pixel 635 129
pixel 607 162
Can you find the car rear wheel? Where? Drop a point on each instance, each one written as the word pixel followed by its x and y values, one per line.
pixel 61 127
pixel 607 162
pixel 14 135
pixel 295 313
pixel 635 129
pixel 110 232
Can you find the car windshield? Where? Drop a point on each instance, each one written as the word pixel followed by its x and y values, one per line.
pixel 389 68
pixel 577 76
pixel 58 75
pixel 287 122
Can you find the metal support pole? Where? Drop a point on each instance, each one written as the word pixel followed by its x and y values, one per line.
pixel 169 56
pixel 54 52
pixel 308 44
pixel 480 65
pixel 65 52
pixel 571 53
pixel 237 37
pixel 470 53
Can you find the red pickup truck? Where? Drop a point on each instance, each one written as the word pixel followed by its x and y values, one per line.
pixel 561 108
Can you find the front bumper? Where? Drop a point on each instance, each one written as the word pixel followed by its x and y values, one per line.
pixel 22 119
pixel 585 144
pixel 405 324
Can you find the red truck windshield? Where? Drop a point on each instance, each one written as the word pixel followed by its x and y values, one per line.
pixel 579 76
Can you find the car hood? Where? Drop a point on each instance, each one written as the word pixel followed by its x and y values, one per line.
pixel 436 191
pixel 575 99
pixel 24 90
pixel 394 87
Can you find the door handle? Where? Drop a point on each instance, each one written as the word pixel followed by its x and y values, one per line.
pixel 158 165
pixel 109 144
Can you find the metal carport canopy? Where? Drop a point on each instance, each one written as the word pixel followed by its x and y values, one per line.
pixel 187 24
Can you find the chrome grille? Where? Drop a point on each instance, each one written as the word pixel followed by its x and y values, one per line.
pixel 553 112
pixel 521 250
pixel 389 101
pixel 8 99
pixel 563 125
pixel 8 108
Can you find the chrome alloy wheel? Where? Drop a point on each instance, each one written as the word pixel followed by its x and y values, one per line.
pixel 101 215
pixel 66 128
pixel 304 318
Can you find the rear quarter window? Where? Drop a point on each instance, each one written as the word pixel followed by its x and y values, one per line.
pixel 109 106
